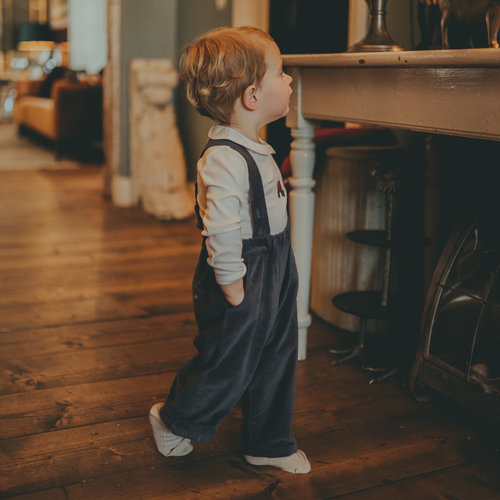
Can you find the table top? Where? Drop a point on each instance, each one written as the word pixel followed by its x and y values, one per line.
pixel 438 91
pixel 425 58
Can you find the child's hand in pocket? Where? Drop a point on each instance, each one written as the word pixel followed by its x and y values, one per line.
pixel 234 293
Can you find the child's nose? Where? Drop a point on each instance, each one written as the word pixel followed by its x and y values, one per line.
pixel 289 79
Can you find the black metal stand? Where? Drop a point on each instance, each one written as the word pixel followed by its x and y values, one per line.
pixel 372 304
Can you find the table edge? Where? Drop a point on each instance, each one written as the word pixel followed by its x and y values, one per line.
pixel 422 58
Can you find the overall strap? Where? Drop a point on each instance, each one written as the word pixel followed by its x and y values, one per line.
pixel 257 200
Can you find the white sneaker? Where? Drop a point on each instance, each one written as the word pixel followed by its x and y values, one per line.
pixel 296 463
pixel 167 442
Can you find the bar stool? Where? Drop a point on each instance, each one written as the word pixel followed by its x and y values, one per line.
pixel 375 304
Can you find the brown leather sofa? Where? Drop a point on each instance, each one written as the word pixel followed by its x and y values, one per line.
pixel 72 115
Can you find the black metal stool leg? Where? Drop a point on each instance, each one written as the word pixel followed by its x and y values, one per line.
pixel 388 373
pixel 357 350
pixel 346 350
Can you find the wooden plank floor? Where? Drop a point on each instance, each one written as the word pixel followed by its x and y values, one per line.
pixel 95 320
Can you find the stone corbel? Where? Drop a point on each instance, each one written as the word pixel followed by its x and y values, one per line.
pixel 157 163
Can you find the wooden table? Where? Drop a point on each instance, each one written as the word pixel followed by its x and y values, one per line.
pixel 455 92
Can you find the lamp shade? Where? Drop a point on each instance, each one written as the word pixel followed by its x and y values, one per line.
pixel 35 36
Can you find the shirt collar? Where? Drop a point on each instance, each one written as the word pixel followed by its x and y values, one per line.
pixel 223 132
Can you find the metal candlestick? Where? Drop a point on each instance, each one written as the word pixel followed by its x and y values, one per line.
pixel 377 39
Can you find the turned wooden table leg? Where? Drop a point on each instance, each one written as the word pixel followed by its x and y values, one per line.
pixel 302 158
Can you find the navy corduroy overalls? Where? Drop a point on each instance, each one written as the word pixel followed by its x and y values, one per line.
pixel 247 352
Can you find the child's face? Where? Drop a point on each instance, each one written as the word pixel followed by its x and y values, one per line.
pixel 274 91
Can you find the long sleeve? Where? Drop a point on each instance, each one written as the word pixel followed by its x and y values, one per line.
pixel 223 175
pixel 223 199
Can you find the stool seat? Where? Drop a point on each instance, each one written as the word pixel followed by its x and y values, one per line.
pixel 366 304
pixel 378 238
pixel 372 237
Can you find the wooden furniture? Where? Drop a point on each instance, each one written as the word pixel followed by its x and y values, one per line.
pixel 460 338
pixel 443 92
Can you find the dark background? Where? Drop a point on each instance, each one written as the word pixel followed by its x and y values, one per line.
pixel 305 27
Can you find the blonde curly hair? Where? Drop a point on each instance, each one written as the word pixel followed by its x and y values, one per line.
pixel 219 65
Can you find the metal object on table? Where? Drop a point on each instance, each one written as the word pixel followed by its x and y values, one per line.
pixel 377 39
pixel 477 23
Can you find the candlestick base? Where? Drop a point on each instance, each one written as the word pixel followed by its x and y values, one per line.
pixel 377 39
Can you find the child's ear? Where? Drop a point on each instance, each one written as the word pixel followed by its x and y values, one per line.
pixel 249 98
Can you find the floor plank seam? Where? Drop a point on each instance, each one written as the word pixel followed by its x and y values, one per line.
pixel 406 478
pixel 88 322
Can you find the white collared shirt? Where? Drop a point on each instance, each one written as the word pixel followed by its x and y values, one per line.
pixel 223 198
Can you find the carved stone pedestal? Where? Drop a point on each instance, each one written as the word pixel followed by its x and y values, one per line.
pixel 157 163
